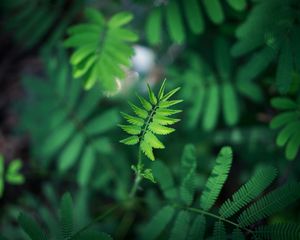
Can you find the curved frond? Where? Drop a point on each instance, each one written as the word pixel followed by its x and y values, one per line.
pixel 151 120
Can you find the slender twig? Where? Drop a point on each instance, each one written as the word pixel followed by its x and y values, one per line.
pixel 200 211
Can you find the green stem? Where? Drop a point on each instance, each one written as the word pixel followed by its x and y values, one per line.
pixel 97 219
pixel 200 211
pixel 138 175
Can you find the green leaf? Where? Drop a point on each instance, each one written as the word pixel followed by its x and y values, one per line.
pixel 147 149
pixel 103 122
pixel 237 5
pixel 120 19
pixel 197 229
pixel 283 103
pixel 283 119
pixel 86 166
pixel 212 109
pixel 170 94
pixel 163 120
pixel 160 129
pixel 148 175
pixel 230 104
pixel 217 179
pixel 287 132
pixel 31 228
pixel 151 139
pixel 152 97
pixel 153 26
pixel 194 16
pixel 138 111
pixel 130 140
pixel 70 154
pixel 145 103
pixel 175 23
pixel 165 180
pixel 12 175
pixel 66 215
pixel 181 226
pixel 158 223
pixel 133 120
pixel 131 129
pixel 214 10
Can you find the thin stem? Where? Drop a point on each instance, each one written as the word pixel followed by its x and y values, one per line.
pixel 138 175
pixel 196 210
pixel 97 219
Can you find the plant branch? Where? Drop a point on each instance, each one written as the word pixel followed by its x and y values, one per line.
pixel 200 211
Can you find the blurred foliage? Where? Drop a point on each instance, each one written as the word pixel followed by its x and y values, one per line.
pixel 10 174
pixel 236 63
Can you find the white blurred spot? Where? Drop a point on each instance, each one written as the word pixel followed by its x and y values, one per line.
pixel 143 60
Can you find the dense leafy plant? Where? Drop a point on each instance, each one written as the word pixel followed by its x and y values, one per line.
pixel 66 222
pixel 72 135
pixel 271 30
pixel 102 51
pixel 189 213
pixel 289 122
pixel 192 13
pixel 210 92
pixel 11 174
pixel 39 16
pixel 150 121
pixel 72 113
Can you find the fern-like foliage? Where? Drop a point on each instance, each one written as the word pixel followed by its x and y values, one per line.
pixel 66 232
pixel 188 219
pixel 10 174
pixel 211 92
pixel 101 49
pixel 272 31
pixel 30 21
pixel 151 120
pixel 192 13
pixel 72 125
pixel 289 122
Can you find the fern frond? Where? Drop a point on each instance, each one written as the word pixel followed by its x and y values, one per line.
pixel 219 232
pixel 270 203
pixel 217 179
pixel 101 49
pixel 255 186
pixel 151 121
pixel 279 231
pixel 158 223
